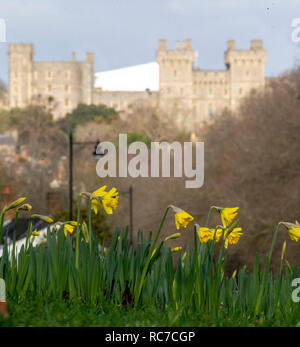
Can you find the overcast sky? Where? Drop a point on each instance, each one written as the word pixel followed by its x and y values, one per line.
pixel 125 32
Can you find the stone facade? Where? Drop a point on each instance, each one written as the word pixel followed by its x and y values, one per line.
pixel 189 94
pixel 60 86
pixel 196 94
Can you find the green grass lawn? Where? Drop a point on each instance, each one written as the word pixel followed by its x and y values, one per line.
pixel 40 313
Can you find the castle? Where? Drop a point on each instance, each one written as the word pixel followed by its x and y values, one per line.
pixel 191 95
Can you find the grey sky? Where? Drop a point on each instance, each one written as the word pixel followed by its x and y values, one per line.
pixel 125 32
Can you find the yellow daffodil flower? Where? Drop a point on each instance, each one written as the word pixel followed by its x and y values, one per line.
pixel 99 193
pixel 204 234
pixel 217 234
pixel 68 228
pixel 36 233
pixel 294 233
pixel 227 215
pixel 233 237
pixel 110 201
pixel 182 218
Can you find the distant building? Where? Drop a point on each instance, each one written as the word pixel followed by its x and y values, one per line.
pixel 173 83
pixel 58 85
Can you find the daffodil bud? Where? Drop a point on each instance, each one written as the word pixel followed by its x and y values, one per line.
pixel 25 207
pixel 283 250
pixel 45 219
pixel 14 204
pixel 85 232
pixel 173 236
pixel 176 249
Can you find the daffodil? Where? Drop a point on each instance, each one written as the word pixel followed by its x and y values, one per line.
pixel 68 228
pixel 182 218
pixel 217 234
pixel 14 204
pixel 45 219
pixel 96 203
pixel 233 237
pixel 293 230
pixel 227 215
pixel 36 233
pixel 204 234
pixel 110 201
pixel 176 249
pixel 294 233
pixel 173 236
pixel 25 207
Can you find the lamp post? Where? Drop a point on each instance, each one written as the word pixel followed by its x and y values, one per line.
pixel 97 154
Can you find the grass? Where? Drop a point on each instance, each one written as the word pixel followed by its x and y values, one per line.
pixel 70 281
pixel 40 312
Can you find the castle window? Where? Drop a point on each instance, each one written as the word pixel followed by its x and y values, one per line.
pixel 247 73
pixel 226 92
pixel 49 88
pixel 210 112
pixel 49 75
pixel 67 102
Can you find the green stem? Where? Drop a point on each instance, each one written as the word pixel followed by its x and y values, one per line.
pixel 266 269
pixel 29 230
pixel 90 225
pixel 208 216
pixel 138 293
pixel 77 233
pixel 14 237
pixel 1 224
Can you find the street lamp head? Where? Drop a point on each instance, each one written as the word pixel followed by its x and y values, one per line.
pixel 98 152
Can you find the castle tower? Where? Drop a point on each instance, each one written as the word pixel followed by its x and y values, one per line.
pixel 246 69
pixel 20 65
pixel 175 73
pixel 88 79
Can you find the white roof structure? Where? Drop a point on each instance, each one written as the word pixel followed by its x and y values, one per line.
pixel 133 78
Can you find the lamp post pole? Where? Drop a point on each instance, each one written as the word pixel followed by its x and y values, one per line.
pixel 96 155
pixel 71 176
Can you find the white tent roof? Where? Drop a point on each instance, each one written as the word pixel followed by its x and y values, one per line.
pixel 133 78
